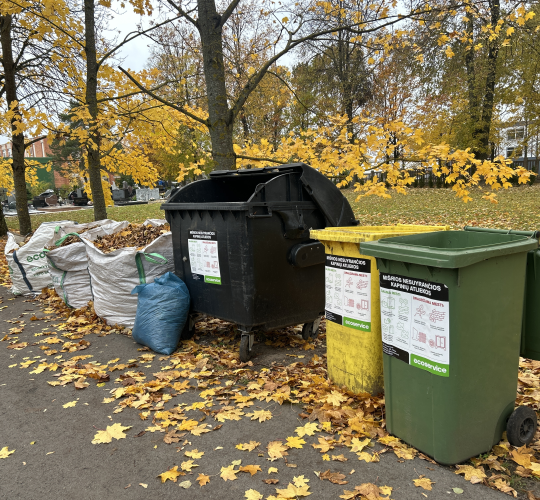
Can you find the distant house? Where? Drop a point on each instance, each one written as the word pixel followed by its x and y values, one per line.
pixel 40 152
pixel 512 145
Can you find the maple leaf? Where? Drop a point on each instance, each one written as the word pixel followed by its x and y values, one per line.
pixel 366 457
pixel 307 430
pixel 389 440
pixel 260 415
pixel 253 495
pixel 247 446
pixel 203 479
pixel 252 469
pixel 171 474
pixel 188 465
pixel 188 425
pixel 295 442
pixel 357 445
pixel 521 458
pixel 472 474
pixel 276 449
pixel 405 453
pixel 172 437
pixel 501 483
pixel 339 458
pixel 71 404
pixel 423 482
pixel 333 477
pixel 4 452
pixel 300 481
pixel 115 431
pixel 272 469
pixel 200 429
pixel 185 484
pixel 323 445
pixel 228 473
pixel 335 398
pixel 194 453
pixel 293 491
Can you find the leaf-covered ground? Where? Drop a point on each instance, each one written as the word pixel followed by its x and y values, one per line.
pixel 189 404
pixel 518 208
pixel 135 214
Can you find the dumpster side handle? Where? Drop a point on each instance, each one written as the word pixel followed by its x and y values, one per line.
pixel 307 254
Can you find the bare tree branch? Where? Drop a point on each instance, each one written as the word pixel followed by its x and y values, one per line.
pixel 160 99
pixel 228 11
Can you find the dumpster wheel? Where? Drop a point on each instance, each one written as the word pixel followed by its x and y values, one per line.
pixel 189 328
pixel 246 345
pixel 521 426
pixel 311 330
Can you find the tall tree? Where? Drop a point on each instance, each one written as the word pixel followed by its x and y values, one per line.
pixel 31 70
pixel 296 25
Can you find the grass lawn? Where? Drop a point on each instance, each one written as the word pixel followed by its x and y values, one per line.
pixel 135 213
pixel 518 208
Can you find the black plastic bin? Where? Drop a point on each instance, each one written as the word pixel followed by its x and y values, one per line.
pixel 241 244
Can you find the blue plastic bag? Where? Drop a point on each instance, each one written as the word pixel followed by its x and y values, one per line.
pixel 162 311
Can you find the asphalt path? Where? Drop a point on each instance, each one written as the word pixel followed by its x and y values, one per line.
pixel 55 459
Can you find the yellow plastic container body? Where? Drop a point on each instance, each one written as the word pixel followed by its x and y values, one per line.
pixel 354 357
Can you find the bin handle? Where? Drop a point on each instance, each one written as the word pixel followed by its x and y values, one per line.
pixel 529 234
pixel 252 215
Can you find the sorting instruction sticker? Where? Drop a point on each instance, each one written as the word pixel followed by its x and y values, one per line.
pixel 348 292
pixel 203 256
pixel 415 322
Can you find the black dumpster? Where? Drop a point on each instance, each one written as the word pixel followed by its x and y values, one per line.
pixel 241 244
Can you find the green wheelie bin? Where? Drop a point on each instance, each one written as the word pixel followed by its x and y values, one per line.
pixel 451 313
pixel 530 336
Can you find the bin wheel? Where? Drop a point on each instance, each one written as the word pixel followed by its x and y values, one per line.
pixel 311 330
pixel 521 426
pixel 189 329
pixel 245 351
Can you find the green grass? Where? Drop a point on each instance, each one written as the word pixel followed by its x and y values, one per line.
pixel 135 213
pixel 518 208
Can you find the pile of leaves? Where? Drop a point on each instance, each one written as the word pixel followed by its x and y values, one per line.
pixel 71 239
pixel 135 235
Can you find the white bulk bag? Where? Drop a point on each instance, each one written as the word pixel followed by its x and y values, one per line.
pixel 68 266
pixel 27 264
pixel 114 275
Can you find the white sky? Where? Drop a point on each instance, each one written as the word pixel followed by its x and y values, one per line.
pixel 136 52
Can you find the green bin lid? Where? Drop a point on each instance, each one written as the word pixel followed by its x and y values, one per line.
pixel 449 249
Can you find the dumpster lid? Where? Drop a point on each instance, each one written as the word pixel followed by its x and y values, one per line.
pixel 448 249
pixel 330 200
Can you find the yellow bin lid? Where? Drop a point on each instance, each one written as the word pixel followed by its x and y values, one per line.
pixel 358 234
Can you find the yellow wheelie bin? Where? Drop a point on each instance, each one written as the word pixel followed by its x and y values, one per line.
pixel 352 305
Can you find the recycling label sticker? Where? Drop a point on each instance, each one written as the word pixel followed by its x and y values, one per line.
pixel 204 257
pixel 415 322
pixel 348 292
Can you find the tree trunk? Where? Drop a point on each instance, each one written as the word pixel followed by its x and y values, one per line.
pixel 94 147
pixel 18 166
pixel 219 114
pixel 489 89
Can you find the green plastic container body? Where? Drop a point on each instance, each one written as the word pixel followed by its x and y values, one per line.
pixel 472 283
pixel 530 335
pixel 530 341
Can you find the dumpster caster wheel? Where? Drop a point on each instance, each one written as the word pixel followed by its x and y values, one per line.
pixel 311 330
pixel 246 345
pixel 189 328
pixel 521 426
